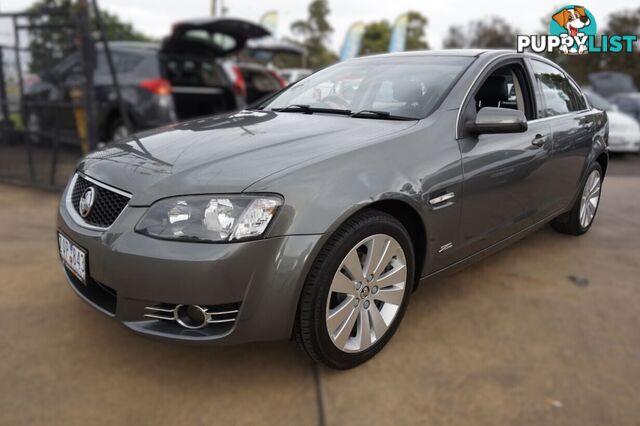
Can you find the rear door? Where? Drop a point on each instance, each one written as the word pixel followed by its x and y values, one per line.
pixel 211 37
pixel 572 123
pixel 506 183
pixel 202 84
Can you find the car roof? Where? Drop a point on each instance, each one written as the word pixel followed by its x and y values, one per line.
pixel 443 52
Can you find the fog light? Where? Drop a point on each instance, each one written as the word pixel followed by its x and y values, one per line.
pixel 191 316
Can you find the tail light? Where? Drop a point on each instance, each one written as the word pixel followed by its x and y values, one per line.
pixel 157 86
pixel 239 85
pixel 278 77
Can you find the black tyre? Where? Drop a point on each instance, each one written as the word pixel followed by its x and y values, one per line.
pixel 579 219
pixel 357 291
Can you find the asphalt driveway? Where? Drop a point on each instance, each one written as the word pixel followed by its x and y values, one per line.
pixel 545 332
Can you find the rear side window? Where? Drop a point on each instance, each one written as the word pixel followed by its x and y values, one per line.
pixel 123 62
pixel 559 94
pixel 580 102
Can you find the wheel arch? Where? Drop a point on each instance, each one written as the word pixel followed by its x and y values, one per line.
pixel 406 213
pixel 412 222
pixel 603 160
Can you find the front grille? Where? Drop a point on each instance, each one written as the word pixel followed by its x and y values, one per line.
pixel 107 205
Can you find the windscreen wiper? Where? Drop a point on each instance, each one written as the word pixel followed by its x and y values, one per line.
pixel 306 109
pixel 382 115
pixel 294 108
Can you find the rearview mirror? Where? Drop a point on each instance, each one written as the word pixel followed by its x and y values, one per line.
pixel 498 120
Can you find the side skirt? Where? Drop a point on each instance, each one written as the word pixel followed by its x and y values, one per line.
pixel 461 264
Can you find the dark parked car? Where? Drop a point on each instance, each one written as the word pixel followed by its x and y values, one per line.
pixel 619 89
pixel 628 103
pixel 609 83
pixel 317 214
pixel 624 130
pixel 189 75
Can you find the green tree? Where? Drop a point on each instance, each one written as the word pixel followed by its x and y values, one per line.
pixel 620 23
pixel 375 38
pixel 377 35
pixel 493 32
pixel 416 35
pixel 57 39
pixel 455 38
pixel 315 32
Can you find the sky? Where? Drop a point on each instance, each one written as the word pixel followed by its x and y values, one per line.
pixel 154 17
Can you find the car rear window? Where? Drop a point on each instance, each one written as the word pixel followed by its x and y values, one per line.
pixel 123 62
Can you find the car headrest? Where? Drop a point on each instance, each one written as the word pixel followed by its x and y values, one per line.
pixel 493 91
pixel 407 90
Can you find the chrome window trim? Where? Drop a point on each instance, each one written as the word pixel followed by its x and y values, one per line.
pixel 566 114
pixel 72 211
pixel 528 56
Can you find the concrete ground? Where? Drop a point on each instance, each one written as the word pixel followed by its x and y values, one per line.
pixel 544 333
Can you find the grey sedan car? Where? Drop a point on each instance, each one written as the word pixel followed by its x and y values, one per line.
pixel 315 215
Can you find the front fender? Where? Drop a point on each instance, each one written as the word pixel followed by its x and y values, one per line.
pixel 410 168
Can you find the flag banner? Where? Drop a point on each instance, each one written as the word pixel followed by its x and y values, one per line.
pixel 270 21
pixel 399 34
pixel 352 41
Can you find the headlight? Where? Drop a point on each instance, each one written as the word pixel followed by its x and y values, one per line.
pixel 214 218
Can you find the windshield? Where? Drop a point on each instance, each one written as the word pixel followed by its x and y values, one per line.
pixel 409 86
pixel 598 101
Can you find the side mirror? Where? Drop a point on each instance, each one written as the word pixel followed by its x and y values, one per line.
pixel 498 120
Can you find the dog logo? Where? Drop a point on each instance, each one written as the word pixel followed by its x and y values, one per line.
pixel 574 22
pixel 86 201
pixel 573 31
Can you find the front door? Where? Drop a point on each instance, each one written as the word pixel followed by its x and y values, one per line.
pixel 506 183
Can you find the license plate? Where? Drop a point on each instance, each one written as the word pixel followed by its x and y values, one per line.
pixel 73 257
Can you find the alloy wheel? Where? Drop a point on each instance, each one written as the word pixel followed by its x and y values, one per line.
pixel 366 293
pixel 590 199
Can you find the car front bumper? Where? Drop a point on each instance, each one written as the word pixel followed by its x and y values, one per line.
pixel 127 273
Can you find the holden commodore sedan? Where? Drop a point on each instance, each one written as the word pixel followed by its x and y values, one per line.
pixel 316 214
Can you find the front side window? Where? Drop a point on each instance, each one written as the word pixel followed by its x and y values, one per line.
pixel 560 96
pixel 503 89
pixel 410 86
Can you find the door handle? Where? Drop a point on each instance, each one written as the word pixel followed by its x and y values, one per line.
pixel 539 140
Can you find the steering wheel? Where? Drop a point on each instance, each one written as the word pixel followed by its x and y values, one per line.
pixel 336 101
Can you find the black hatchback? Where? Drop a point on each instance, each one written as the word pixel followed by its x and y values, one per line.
pixel 189 74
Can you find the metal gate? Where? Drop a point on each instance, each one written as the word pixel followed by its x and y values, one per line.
pixel 47 97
